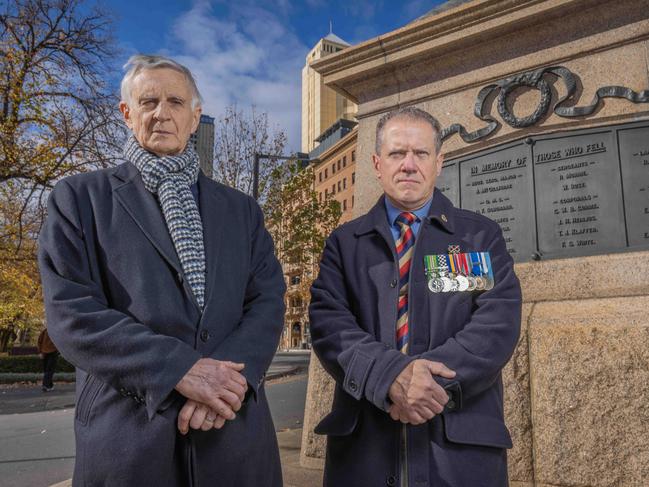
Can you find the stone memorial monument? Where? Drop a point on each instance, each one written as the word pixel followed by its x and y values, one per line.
pixel 545 109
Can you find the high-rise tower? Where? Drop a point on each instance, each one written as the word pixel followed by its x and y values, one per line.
pixel 321 106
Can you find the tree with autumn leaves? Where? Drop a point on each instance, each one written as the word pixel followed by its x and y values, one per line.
pixel 299 225
pixel 57 117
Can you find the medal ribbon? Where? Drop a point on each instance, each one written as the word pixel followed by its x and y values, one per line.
pixel 451 261
pixel 476 267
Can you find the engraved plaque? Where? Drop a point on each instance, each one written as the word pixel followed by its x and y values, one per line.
pixel 448 183
pixel 578 194
pixel 634 163
pixel 498 184
pixel 581 192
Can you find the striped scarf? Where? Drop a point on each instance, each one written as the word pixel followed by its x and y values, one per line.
pixel 170 177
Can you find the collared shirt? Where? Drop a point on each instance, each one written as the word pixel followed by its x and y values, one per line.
pixel 393 212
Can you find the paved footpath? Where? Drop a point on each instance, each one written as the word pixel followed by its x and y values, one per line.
pixel 37 447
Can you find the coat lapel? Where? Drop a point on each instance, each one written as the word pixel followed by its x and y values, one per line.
pixel 385 274
pixel 143 207
pixel 213 207
pixel 424 306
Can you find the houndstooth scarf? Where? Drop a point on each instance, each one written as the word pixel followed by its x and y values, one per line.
pixel 170 177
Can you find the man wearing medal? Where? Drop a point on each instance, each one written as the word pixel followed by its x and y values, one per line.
pixel 414 313
pixel 161 286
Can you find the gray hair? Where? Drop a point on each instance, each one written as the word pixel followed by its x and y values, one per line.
pixel 411 113
pixel 140 62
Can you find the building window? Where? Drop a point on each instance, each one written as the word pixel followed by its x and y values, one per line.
pixel 344 205
pixel 320 197
pixel 326 193
pixel 339 164
pixel 333 188
pixel 353 156
pixel 326 175
pixel 320 176
pixel 344 161
pixel 353 178
pixel 338 186
pixel 333 168
pixel 352 201
pixel 345 183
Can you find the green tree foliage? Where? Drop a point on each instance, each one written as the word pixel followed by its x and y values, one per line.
pixel 57 117
pixel 299 224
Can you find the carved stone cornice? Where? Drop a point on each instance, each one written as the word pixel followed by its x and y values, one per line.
pixel 414 54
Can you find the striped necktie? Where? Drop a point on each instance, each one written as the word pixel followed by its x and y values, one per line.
pixel 405 245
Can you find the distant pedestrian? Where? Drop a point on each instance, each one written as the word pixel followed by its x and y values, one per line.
pixel 48 352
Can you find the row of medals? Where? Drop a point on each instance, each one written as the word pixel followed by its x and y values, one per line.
pixel 440 280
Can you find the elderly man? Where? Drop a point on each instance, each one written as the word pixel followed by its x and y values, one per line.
pixel 161 286
pixel 414 313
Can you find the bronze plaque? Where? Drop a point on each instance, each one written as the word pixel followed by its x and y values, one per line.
pixel 634 163
pixel 578 194
pixel 498 184
pixel 575 193
pixel 448 182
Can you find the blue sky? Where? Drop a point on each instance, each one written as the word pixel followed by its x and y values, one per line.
pixel 251 52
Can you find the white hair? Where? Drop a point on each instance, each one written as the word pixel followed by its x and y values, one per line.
pixel 140 62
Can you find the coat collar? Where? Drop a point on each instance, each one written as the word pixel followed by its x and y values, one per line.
pixel 214 215
pixel 145 210
pixel 441 212
pixel 143 207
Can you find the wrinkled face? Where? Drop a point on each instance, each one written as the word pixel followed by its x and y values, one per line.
pixel 160 112
pixel 408 164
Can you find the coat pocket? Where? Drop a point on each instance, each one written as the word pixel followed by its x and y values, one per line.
pixel 339 422
pixel 89 393
pixel 476 429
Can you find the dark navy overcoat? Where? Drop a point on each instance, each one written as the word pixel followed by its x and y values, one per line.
pixel 119 308
pixel 353 316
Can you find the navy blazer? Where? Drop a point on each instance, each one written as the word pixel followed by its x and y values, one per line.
pixel 353 316
pixel 119 308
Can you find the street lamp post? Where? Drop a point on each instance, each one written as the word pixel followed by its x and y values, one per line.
pixel 299 156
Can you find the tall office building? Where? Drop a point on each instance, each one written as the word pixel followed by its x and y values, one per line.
pixel 321 106
pixel 203 140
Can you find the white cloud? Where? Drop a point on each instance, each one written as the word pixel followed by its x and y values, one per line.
pixel 246 56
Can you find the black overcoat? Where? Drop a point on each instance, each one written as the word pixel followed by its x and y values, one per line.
pixel 353 316
pixel 119 308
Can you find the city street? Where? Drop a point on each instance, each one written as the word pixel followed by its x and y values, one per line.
pixel 37 444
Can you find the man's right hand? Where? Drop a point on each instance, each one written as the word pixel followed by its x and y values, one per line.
pixel 416 396
pixel 217 384
pixel 198 416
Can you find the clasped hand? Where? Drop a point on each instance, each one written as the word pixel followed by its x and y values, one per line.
pixel 214 390
pixel 416 396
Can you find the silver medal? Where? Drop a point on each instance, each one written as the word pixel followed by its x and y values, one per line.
pixel 436 285
pixel 462 282
pixel 447 283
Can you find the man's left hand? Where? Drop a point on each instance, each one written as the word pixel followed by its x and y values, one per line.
pixel 416 397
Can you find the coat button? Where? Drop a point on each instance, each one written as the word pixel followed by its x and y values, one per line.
pixel 391 480
pixel 393 283
pixel 353 386
pixel 205 335
pixel 450 405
